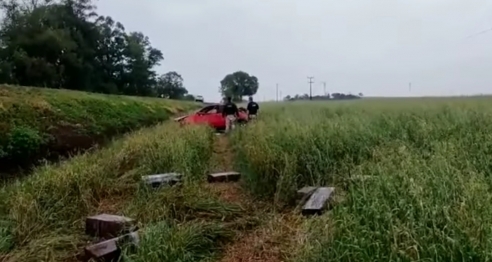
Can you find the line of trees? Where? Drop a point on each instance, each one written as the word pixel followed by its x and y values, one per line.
pixel 333 96
pixel 66 44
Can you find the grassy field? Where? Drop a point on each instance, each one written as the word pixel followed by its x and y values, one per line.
pixel 38 123
pixel 428 197
pixel 43 215
pixel 427 194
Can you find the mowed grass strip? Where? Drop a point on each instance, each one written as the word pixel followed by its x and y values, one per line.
pixel 427 198
pixel 43 215
pixel 38 123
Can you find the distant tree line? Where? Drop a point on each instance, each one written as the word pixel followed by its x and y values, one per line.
pixel 333 96
pixel 66 44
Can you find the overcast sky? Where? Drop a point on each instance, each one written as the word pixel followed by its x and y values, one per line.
pixel 371 46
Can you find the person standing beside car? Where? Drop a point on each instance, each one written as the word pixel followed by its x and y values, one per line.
pixel 231 113
pixel 253 108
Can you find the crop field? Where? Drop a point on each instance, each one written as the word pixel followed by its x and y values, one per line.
pixel 411 178
pixel 428 194
pixel 41 123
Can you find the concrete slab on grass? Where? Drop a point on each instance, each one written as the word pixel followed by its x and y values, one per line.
pixel 318 201
pixel 109 226
pixel 231 176
pixel 110 250
pixel 158 180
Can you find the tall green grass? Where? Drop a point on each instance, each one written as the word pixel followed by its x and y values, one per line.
pixel 187 242
pixel 428 197
pixel 44 214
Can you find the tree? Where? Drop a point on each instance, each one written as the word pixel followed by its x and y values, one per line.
pixel 239 84
pixel 189 97
pixel 66 44
pixel 171 85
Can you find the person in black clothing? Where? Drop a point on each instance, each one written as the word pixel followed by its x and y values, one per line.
pixel 253 108
pixel 230 112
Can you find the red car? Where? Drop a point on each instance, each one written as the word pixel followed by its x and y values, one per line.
pixel 212 116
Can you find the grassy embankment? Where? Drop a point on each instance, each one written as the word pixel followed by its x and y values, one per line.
pixel 428 197
pixel 37 123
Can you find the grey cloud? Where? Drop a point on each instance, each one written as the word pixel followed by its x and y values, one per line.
pixel 375 47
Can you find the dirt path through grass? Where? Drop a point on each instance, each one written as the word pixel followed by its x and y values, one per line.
pixel 270 236
pixel 223 161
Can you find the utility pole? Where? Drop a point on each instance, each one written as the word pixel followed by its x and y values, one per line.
pixel 410 87
pixel 277 93
pixel 324 88
pixel 310 87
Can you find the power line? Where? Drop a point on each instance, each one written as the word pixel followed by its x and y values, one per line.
pixel 479 33
pixel 277 94
pixel 310 87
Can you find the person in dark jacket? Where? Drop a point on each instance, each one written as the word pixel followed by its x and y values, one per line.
pixel 253 108
pixel 231 113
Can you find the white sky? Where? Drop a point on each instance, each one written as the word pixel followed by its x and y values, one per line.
pixel 373 46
